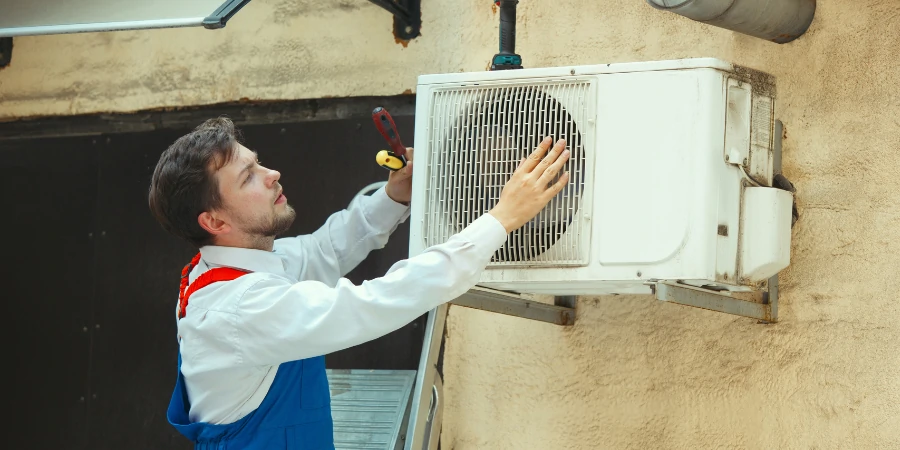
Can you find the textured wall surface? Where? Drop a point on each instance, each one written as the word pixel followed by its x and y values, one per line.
pixel 633 373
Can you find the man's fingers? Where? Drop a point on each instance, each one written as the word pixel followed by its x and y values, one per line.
pixel 405 172
pixel 551 157
pixel 555 167
pixel 537 155
pixel 554 153
pixel 402 174
pixel 558 186
pixel 408 170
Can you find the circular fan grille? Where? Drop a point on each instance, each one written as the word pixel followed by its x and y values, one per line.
pixel 489 132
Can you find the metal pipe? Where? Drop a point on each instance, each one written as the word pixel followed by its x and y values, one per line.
pixel 508 27
pixel 779 21
pixel 507 58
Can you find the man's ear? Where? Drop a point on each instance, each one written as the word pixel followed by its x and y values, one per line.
pixel 213 224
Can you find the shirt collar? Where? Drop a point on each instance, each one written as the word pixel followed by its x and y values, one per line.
pixel 243 258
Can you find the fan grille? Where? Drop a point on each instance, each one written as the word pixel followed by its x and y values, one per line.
pixel 477 136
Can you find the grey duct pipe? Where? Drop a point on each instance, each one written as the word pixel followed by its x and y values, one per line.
pixel 779 21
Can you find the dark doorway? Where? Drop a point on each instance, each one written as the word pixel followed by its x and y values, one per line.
pixel 92 279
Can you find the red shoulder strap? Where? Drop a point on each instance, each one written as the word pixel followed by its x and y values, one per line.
pixel 205 279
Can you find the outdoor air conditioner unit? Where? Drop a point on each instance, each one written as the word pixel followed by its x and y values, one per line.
pixel 671 171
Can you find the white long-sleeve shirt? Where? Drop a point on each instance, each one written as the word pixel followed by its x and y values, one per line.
pixel 296 304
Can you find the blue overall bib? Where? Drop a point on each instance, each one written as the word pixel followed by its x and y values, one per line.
pixel 295 414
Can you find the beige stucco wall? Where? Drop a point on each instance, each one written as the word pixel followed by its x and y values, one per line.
pixel 633 373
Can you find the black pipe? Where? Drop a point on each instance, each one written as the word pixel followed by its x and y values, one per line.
pixel 6 44
pixel 507 57
pixel 508 26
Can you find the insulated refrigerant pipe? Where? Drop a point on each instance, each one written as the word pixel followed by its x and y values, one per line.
pixel 779 21
pixel 507 58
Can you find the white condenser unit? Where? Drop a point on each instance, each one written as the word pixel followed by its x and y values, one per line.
pixel 671 171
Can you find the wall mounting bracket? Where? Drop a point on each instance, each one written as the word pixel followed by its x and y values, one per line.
pixel 560 313
pixel 223 13
pixel 764 305
pixel 407 16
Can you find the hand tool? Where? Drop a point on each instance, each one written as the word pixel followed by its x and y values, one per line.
pixel 395 158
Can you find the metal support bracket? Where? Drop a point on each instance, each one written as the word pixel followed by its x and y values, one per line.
pixel 407 16
pixel 6 45
pixel 561 313
pixel 220 16
pixel 760 305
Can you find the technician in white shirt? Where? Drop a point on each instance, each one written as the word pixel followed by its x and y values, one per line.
pixel 252 337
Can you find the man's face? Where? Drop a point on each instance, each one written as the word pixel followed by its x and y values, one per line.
pixel 252 198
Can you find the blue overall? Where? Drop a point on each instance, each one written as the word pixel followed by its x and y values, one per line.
pixel 295 414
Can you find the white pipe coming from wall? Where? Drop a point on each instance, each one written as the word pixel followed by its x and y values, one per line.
pixel 779 21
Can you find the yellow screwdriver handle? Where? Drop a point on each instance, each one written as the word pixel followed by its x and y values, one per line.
pixel 389 160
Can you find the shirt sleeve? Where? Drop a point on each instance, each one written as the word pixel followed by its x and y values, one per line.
pixel 277 321
pixel 346 238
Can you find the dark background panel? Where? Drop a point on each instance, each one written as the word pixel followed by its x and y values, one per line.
pixel 48 204
pixel 93 278
pixel 138 270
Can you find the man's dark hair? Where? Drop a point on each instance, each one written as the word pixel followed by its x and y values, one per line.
pixel 183 184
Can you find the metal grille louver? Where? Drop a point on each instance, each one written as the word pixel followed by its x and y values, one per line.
pixel 477 136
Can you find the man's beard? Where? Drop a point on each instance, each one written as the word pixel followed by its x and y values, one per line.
pixel 277 225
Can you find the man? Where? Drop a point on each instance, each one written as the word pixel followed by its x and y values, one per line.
pixel 256 315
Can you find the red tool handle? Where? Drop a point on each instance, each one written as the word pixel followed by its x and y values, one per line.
pixel 385 124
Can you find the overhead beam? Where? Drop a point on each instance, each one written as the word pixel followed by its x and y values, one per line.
pixel 243 114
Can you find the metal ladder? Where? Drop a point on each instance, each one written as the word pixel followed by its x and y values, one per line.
pixel 370 408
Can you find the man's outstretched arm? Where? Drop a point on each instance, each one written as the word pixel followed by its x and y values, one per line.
pixel 348 236
pixel 276 321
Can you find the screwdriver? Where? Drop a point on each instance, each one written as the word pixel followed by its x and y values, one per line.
pixel 395 158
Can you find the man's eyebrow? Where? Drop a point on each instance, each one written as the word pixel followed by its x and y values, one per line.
pixel 248 166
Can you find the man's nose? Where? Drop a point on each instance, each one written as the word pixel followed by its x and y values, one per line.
pixel 273 176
